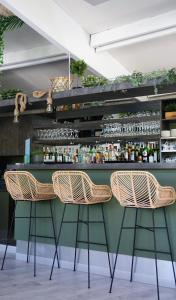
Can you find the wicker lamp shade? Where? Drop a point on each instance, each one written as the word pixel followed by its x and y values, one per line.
pixel 4 11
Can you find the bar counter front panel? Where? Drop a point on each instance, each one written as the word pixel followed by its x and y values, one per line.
pixel 100 174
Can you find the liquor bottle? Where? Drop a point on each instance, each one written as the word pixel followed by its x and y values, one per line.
pixel 59 156
pixel 150 153
pixel 139 157
pixel 145 154
pixel 52 155
pixel 113 156
pixel 155 154
pixel 94 154
pixel 106 154
pixel 132 155
pixel 137 150
pixel 126 153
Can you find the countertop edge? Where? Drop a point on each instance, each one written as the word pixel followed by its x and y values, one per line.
pixel 108 166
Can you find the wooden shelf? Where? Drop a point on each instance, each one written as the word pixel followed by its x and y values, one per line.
pixel 171 119
pixel 168 151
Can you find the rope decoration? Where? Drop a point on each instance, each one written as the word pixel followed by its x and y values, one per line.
pixel 140 189
pixel 49 99
pixel 20 100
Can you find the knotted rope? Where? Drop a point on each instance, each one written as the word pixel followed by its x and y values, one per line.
pixel 20 105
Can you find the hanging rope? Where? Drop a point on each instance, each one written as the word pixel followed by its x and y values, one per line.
pixel 20 105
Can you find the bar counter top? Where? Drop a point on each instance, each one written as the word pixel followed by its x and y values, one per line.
pixel 105 166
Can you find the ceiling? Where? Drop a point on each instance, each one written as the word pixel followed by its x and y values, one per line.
pixel 147 56
pixel 24 38
pixel 133 35
pixel 111 13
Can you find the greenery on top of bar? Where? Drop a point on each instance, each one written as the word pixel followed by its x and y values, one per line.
pixel 136 79
pixel 9 94
pixel 170 107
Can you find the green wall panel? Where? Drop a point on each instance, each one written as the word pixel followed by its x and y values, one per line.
pixel 113 215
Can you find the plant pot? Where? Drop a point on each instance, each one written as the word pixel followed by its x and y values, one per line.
pixel 37 158
pixel 170 115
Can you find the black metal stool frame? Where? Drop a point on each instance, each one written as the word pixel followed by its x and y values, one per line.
pixel 152 229
pixel 31 217
pixel 88 242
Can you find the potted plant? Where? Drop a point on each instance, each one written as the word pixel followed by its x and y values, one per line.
pixel 78 68
pixel 92 81
pixel 170 110
pixel 37 156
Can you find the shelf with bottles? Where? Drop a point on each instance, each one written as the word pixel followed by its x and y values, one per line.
pixel 103 153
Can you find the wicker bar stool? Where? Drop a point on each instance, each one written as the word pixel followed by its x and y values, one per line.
pixel 22 186
pixel 76 188
pixel 140 190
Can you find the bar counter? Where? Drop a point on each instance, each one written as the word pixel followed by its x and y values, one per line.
pixel 105 166
pixel 100 174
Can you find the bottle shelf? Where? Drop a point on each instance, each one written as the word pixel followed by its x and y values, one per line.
pixel 171 119
pixel 169 138
pixel 168 151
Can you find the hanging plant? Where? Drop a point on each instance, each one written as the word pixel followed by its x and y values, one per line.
pixel 7 23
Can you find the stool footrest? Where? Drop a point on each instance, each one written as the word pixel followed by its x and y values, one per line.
pixel 42 236
pixel 152 251
pixel 32 217
pixel 93 243
pixel 150 228
pixel 82 221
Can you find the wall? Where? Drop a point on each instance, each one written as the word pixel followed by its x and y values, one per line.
pixel 35 77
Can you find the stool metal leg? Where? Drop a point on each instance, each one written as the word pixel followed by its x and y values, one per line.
pixel 134 243
pixel 88 247
pixel 117 251
pixel 169 242
pixel 29 234
pixel 35 246
pixel 8 236
pixel 76 242
pixel 58 238
pixel 54 233
pixel 155 253
pixel 106 238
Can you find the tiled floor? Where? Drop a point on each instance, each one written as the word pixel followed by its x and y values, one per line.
pixel 17 283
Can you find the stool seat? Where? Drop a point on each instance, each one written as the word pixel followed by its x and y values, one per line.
pixel 76 187
pixel 140 189
pixel 22 185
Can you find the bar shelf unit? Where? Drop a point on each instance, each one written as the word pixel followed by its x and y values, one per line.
pixel 170 141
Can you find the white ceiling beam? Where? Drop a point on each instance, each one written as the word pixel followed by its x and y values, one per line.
pixel 52 22
pixel 136 32
pixel 33 56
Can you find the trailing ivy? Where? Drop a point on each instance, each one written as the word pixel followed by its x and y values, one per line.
pixel 7 24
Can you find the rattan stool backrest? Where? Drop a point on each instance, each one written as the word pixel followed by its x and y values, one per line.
pixel 72 186
pixel 135 188
pixel 21 185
